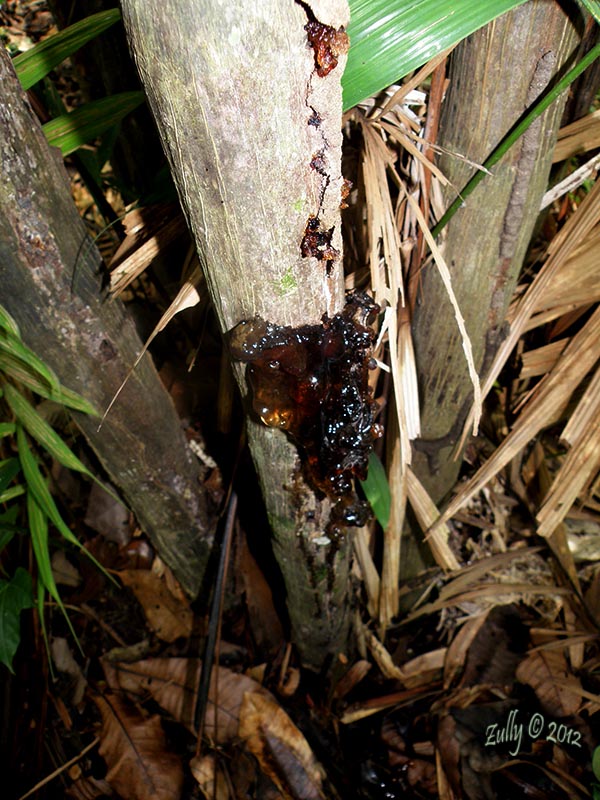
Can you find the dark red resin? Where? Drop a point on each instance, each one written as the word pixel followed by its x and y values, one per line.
pixel 328 45
pixel 312 382
pixel 316 242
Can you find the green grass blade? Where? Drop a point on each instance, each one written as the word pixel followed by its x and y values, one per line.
pixel 9 469
pixel 36 486
pixel 22 373
pixel 12 493
pixel 71 131
pixel 8 525
pixel 36 63
pixel 38 528
pixel 41 431
pixel 14 348
pixel 377 491
pixel 7 429
pixel 8 324
pixel 593 6
pixel 515 133
pixel 15 596
pixel 390 38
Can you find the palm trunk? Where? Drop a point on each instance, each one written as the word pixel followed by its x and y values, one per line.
pixel 494 76
pixel 253 137
pixel 91 343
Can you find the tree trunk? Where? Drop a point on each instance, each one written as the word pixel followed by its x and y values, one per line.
pixel 495 75
pixel 253 137
pixel 91 343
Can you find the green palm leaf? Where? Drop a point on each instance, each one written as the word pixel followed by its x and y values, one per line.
pixel 389 38
pixel 37 427
pixel 70 131
pixel 36 63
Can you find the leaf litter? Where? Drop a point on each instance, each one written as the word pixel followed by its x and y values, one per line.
pixel 479 678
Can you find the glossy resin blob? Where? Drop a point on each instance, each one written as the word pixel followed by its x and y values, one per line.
pixel 312 382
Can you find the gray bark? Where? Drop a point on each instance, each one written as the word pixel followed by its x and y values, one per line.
pixel 232 89
pixel 494 76
pixel 90 342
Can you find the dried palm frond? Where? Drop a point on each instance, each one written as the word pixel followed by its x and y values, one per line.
pixel 578 137
pixel 544 407
pixel 582 462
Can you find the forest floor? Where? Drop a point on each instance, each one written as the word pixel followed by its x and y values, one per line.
pixel 485 685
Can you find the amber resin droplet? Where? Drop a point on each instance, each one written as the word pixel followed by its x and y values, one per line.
pixel 312 382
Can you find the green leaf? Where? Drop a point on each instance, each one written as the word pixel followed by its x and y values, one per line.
pixel 12 493
pixel 390 38
pixel 36 486
pixel 15 596
pixel 38 527
pixel 41 431
pixel 515 133
pixel 593 6
pixel 70 131
pixel 596 763
pixel 9 469
pixel 37 62
pixel 22 373
pixel 7 429
pixel 12 347
pixel 377 491
pixel 8 324
pixel 8 525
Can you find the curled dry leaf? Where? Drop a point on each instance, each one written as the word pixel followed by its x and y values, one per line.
pixel 547 673
pixel 456 654
pixel 135 750
pixel 209 777
pixel 172 683
pixel 168 616
pixel 282 751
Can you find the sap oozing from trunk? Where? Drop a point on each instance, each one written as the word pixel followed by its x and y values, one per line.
pixel 312 382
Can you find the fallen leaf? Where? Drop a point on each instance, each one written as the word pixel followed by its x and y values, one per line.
pixel 282 751
pixel 135 750
pixel 456 655
pixel 168 616
pixel 547 672
pixel 351 679
pixel 209 777
pixel 65 662
pixel 172 683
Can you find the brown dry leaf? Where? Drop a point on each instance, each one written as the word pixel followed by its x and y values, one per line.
pixel 456 654
pixel 546 405
pixel 168 616
pixel 135 750
pixel 578 137
pixel 547 673
pixel 88 788
pixel 172 684
pixel 148 232
pixel 209 777
pixel 447 758
pixel 351 679
pixel 282 751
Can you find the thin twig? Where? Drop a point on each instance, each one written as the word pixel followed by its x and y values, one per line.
pixel 213 625
pixel 58 771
